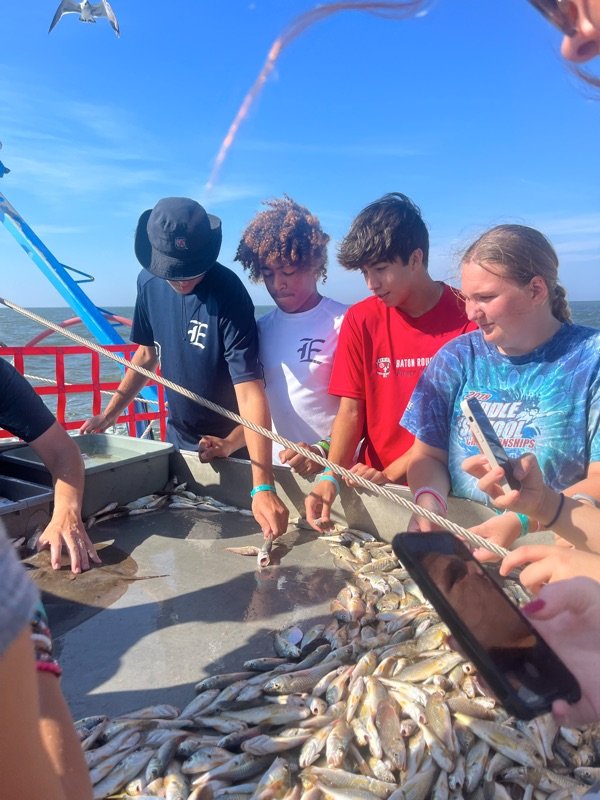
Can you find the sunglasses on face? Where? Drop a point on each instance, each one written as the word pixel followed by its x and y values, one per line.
pixel 558 12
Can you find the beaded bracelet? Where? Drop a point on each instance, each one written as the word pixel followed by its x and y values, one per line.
pixel 42 643
pixel 49 666
pixel 434 493
pixel 324 477
pixel 263 487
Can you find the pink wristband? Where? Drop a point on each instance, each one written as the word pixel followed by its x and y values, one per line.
pixel 49 666
pixel 433 493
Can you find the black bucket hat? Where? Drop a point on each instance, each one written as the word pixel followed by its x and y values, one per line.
pixel 177 239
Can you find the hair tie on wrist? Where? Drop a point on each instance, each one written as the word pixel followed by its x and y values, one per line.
pixel 561 503
pixel 434 493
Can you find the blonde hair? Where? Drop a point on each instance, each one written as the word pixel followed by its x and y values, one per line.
pixel 522 253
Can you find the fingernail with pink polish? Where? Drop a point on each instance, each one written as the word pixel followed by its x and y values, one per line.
pixel 534 606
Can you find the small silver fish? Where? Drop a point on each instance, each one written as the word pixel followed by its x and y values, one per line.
pixel 246 550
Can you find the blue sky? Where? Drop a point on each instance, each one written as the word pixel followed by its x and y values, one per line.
pixel 469 110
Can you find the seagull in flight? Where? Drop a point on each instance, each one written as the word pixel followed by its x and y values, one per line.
pixel 88 12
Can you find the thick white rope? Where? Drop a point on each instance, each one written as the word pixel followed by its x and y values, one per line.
pixel 393 497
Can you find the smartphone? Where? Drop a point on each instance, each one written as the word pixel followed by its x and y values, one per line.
pixel 488 441
pixel 522 670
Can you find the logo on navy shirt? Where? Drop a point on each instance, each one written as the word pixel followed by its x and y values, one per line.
pixel 181 243
pixel 197 332
pixel 309 349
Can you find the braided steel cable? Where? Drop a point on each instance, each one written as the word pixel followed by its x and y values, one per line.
pixel 393 497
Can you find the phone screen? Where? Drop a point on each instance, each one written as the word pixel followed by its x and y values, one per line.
pixel 511 656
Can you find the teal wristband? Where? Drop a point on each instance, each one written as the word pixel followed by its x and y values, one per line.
pixel 263 487
pixel 330 478
pixel 524 520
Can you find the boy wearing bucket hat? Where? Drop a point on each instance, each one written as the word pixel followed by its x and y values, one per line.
pixel 195 319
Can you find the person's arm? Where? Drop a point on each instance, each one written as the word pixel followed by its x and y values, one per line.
pixel 25 766
pixel 567 615
pixel 131 385
pixel 63 459
pixel 578 522
pixel 268 510
pixel 346 432
pixel 429 482
pixel 397 471
pixel 60 739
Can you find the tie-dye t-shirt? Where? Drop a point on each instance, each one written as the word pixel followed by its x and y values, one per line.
pixel 546 402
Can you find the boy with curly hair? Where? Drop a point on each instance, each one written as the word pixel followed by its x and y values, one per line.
pixel 286 248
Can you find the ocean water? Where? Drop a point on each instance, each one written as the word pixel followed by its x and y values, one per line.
pixel 17 330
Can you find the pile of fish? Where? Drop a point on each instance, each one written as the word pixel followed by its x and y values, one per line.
pixel 372 705
pixel 174 495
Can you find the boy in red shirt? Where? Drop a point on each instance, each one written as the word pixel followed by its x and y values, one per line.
pixel 386 341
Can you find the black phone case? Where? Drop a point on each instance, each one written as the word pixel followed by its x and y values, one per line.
pixel 467 642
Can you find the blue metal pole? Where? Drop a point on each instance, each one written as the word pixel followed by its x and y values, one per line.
pixel 60 278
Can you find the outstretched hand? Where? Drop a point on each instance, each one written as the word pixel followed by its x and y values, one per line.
pixel 96 424
pixel 567 616
pixel 210 447
pixel 369 473
pixel 270 513
pixel 503 530
pixel 549 563
pixel 67 530
pixel 318 506
pixel 530 499
pixel 300 464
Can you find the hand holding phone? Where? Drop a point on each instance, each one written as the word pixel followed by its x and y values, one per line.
pixel 488 441
pixel 518 665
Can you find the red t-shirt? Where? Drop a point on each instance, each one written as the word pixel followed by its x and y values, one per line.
pixel 380 356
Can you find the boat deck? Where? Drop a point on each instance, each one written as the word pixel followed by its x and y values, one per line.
pixel 191 609
pixel 170 605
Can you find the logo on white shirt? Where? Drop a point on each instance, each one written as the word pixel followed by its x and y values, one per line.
pixel 310 349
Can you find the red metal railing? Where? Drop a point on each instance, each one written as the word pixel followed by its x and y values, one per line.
pixel 62 388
